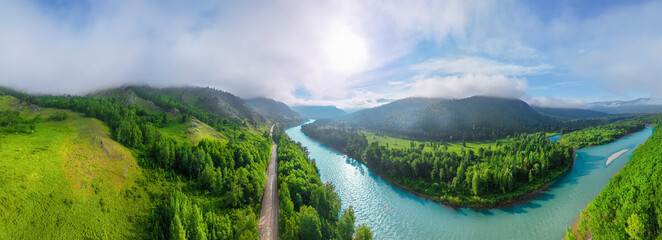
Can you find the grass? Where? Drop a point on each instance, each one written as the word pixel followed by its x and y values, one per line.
pixel 192 131
pixel 70 180
pixel 398 143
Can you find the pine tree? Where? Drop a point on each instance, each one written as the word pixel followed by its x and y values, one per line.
pixel 176 229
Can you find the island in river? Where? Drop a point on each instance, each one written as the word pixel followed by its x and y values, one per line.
pixel 501 173
pixel 504 173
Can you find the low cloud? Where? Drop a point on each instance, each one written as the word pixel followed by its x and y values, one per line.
pixel 477 65
pixel 469 85
pixel 556 102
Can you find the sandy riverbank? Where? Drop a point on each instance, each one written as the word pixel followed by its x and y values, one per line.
pixel 615 156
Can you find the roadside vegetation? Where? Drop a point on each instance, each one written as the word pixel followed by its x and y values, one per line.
pixel 309 208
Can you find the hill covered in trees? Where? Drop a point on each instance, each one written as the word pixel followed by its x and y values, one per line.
pixel 276 111
pixel 127 164
pixel 474 118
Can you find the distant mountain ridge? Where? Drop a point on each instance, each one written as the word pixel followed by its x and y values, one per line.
pixel 570 113
pixel 319 112
pixel 641 105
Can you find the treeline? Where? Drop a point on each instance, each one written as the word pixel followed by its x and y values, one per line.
pixel 337 135
pixel 630 206
pixel 12 121
pixel 228 177
pixel 513 168
pixel 309 209
pixel 596 135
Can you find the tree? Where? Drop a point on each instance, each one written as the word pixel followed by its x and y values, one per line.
pixel 310 223
pixel 176 229
pixel 363 233
pixel 475 183
pixel 164 121
pixel 569 234
pixel 635 228
pixel 346 224
pixel 198 228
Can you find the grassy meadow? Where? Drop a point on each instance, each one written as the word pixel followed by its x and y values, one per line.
pixel 69 180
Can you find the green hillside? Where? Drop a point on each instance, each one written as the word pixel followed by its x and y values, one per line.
pixel 69 179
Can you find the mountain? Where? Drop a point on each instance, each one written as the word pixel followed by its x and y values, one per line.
pixel 207 99
pixel 641 105
pixel 569 113
pixel 276 111
pixel 474 118
pixel 318 112
pixel 392 108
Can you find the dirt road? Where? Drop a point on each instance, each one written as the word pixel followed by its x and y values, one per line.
pixel 268 225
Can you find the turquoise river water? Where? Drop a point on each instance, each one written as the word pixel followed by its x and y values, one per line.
pixel 395 214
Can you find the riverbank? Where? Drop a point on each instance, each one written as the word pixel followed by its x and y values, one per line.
pixel 615 156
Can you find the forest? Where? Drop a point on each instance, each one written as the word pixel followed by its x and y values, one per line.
pixel 217 186
pixel 309 208
pixel 477 177
pixel 596 135
pixel 629 207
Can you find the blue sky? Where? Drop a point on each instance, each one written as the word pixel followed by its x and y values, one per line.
pixel 352 54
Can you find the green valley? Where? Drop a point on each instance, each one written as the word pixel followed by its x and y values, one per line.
pixel 136 162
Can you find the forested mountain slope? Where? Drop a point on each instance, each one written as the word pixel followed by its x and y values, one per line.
pixel 474 118
pixel 276 111
pixel 209 100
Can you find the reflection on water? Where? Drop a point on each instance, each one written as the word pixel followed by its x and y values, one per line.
pixel 395 214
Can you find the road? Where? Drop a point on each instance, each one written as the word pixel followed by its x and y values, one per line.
pixel 268 225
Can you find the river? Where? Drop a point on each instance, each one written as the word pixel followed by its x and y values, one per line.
pixel 395 214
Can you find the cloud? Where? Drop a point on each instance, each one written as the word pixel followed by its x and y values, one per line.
pixel 358 99
pixel 469 85
pixel 480 65
pixel 556 102
pixel 249 48
pixel 619 49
